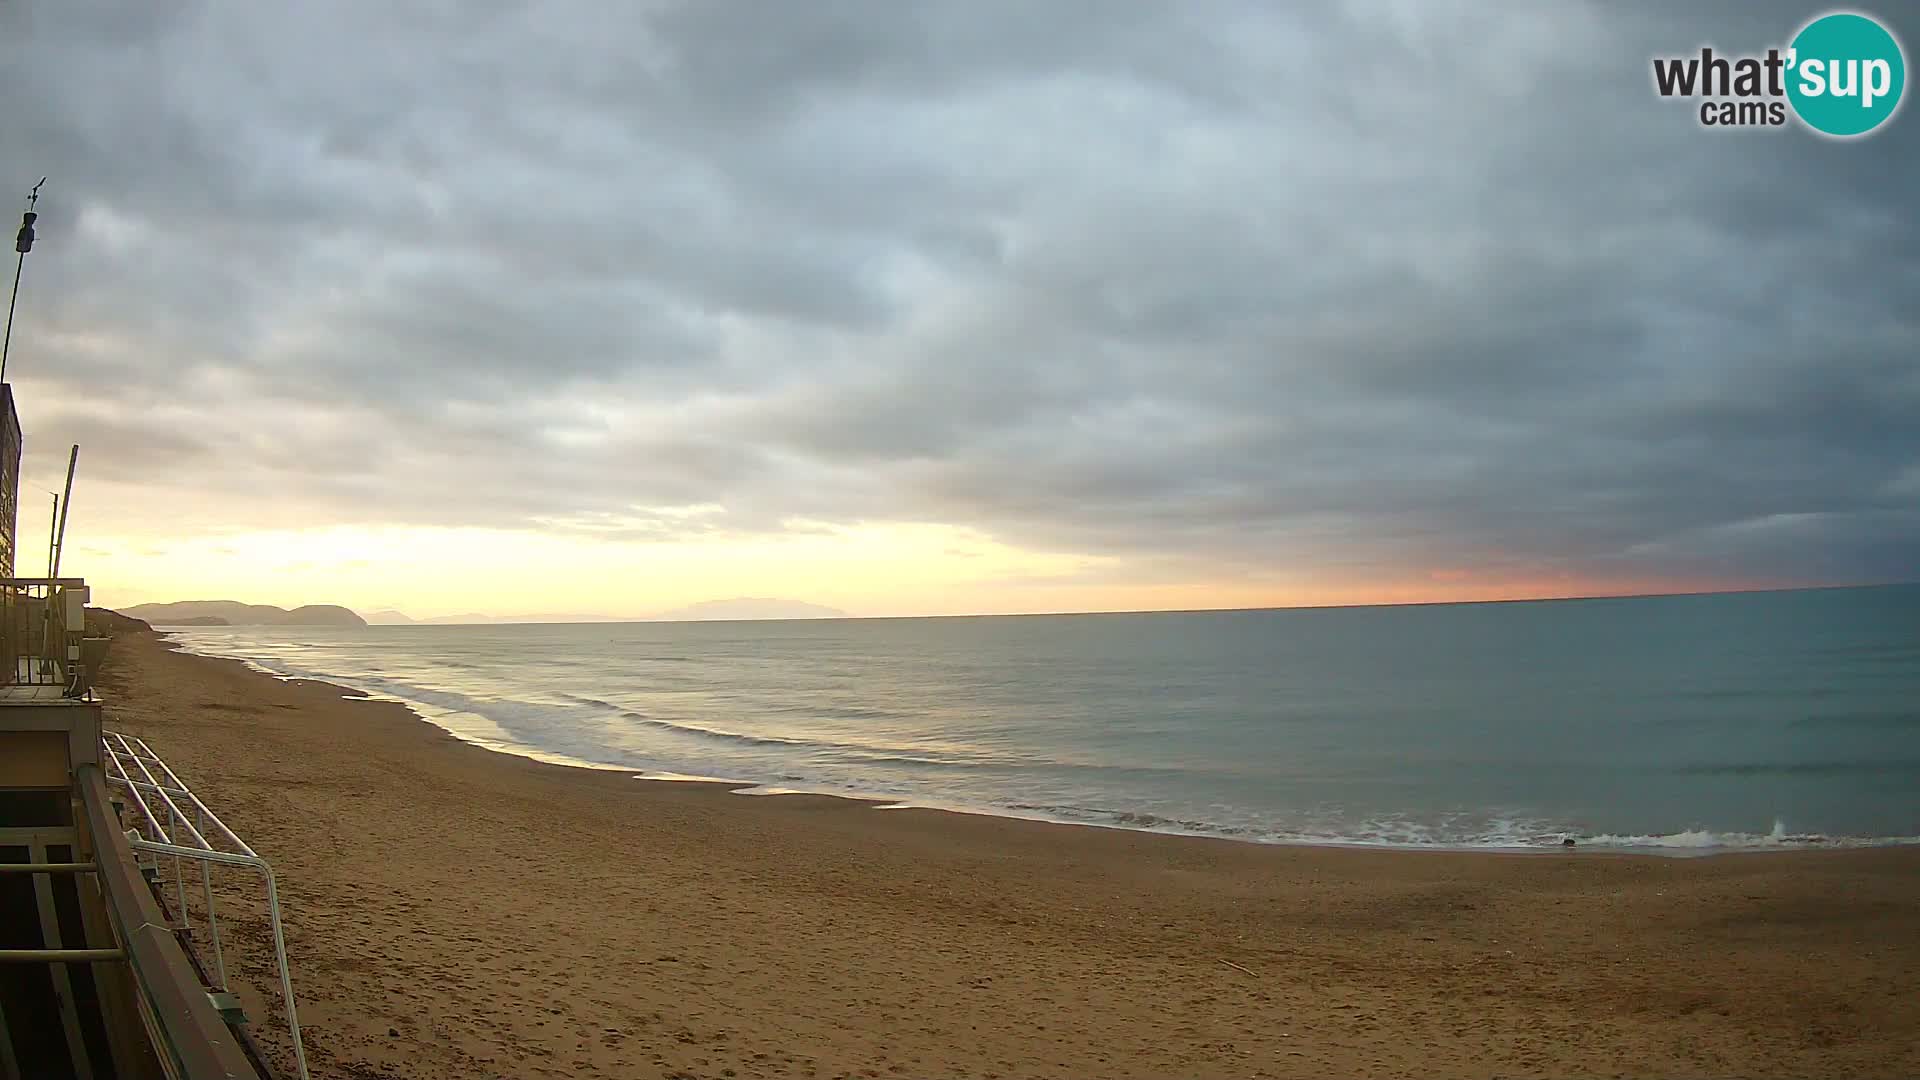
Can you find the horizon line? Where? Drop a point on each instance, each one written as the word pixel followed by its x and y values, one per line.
pixel 438 620
pixel 1278 607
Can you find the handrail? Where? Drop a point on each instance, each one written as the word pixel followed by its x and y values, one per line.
pixel 182 1018
pixel 194 845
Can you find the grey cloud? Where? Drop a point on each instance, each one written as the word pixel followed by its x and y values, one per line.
pixel 1217 288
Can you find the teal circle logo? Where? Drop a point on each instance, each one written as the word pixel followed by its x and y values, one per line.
pixel 1846 74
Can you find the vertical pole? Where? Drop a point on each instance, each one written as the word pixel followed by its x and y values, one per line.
pixel 58 648
pixel 6 345
pixel 206 890
pixel 46 612
pixel 286 977
pixel 179 876
pixel 66 504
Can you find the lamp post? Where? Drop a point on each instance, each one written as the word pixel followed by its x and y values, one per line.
pixel 22 243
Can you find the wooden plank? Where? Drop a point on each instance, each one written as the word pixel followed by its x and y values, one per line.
pixel 9 1064
pixel 60 956
pixel 26 836
pixel 62 978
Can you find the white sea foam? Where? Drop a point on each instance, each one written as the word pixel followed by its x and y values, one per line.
pixel 1779 839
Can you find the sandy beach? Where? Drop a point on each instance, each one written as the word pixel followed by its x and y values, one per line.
pixel 459 913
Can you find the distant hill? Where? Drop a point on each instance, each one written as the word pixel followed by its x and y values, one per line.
pixel 200 620
pixel 234 613
pixel 750 607
pixel 105 622
pixel 746 607
pixel 474 618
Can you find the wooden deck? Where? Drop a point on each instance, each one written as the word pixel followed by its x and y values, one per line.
pixel 36 695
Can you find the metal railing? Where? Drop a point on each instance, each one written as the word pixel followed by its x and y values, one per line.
pixel 180 829
pixel 42 627
pixel 185 1031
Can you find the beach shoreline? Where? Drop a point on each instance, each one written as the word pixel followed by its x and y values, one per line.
pixel 668 928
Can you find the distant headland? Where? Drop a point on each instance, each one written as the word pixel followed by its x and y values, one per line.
pixel 234 613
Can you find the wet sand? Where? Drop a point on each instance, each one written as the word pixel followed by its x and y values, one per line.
pixel 459 913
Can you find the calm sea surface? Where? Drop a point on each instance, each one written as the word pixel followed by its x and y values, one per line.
pixel 1679 723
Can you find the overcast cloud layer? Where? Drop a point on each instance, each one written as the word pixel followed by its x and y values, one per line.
pixel 1225 285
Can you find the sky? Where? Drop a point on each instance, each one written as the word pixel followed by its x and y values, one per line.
pixel 918 308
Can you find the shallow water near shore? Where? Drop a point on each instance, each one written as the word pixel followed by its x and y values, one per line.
pixel 1687 724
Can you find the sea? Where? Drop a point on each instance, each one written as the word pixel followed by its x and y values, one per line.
pixel 1677 724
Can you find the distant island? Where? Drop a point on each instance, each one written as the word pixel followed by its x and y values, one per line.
pixel 749 607
pixel 473 618
pixel 233 613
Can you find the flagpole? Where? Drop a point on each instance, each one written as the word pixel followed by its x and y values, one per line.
pixel 22 243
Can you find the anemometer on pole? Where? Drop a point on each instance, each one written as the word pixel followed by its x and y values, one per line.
pixel 22 243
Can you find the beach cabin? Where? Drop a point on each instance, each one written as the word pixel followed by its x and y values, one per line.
pixel 98 972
